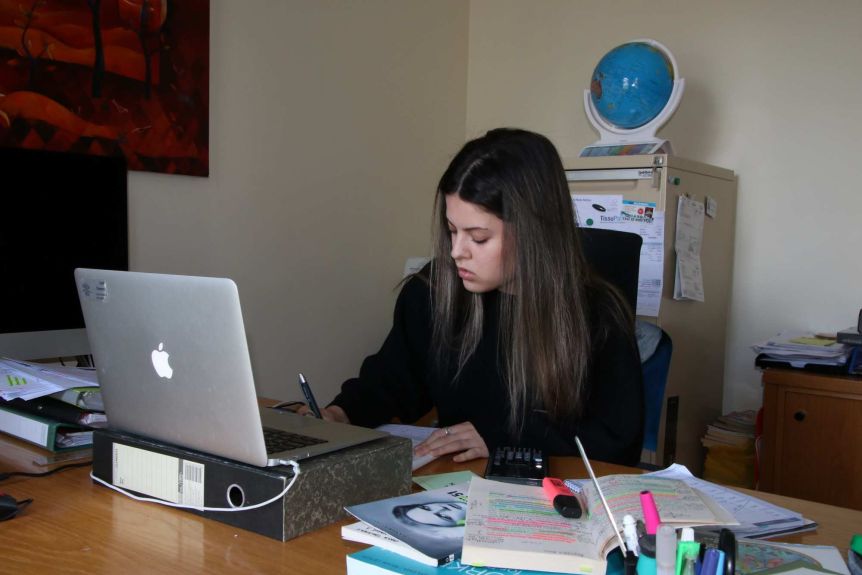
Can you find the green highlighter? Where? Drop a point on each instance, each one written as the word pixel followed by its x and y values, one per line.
pixel 686 552
pixel 854 556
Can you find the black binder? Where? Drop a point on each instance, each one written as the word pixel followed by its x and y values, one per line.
pixel 763 361
pixel 326 484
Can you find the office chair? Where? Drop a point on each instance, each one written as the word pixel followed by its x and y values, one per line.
pixel 615 256
pixel 655 370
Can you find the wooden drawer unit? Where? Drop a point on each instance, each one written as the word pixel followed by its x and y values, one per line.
pixel 812 437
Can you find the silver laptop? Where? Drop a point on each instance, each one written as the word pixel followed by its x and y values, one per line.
pixel 173 365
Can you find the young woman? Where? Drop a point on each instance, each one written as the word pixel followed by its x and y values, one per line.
pixel 506 332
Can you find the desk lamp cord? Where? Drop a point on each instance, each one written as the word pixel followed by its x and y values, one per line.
pixel 291 462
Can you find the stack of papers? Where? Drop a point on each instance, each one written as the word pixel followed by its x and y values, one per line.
pixel 26 380
pixel 416 435
pixel 802 348
pixel 757 518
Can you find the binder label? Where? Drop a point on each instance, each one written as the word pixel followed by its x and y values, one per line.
pixel 158 475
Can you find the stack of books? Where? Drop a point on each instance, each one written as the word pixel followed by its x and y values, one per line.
pixel 425 527
pixel 379 561
pixel 53 407
pixel 736 429
pixel 417 534
pixel 496 527
pixel 731 456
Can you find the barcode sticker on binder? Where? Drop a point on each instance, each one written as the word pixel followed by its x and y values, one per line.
pixel 158 475
pixel 192 483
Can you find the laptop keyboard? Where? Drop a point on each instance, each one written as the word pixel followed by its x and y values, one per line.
pixel 278 440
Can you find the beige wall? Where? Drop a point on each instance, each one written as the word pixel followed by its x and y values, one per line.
pixel 330 124
pixel 772 91
pixel 331 121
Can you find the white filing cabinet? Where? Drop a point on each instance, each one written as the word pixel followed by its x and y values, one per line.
pixel 693 396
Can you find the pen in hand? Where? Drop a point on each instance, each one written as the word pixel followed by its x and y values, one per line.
pixel 309 397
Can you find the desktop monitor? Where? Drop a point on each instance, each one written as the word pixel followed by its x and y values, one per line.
pixel 59 211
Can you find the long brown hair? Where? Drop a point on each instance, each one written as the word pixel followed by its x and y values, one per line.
pixel 544 328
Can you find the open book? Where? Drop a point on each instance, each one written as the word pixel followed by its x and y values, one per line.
pixel 516 526
pixel 430 522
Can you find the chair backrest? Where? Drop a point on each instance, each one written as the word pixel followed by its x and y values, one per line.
pixel 655 370
pixel 615 256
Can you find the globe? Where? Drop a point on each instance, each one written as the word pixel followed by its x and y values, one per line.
pixel 632 84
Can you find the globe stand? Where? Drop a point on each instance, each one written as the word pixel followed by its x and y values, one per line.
pixel 616 141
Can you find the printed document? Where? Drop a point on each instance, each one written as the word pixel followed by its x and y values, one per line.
pixel 414 433
pixel 26 380
pixel 756 517
pixel 611 212
pixel 688 281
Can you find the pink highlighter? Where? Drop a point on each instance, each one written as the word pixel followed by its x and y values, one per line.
pixel 651 518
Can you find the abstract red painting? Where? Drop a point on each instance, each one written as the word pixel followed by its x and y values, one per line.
pixel 108 77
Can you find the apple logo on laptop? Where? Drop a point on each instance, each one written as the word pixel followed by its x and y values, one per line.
pixel 160 362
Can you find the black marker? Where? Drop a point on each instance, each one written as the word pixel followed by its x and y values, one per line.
pixel 309 397
pixel 727 543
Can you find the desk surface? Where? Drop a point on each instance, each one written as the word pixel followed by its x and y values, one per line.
pixel 76 526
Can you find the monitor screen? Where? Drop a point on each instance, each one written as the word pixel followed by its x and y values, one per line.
pixel 60 211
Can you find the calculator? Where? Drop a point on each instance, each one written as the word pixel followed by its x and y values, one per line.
pixel 524 465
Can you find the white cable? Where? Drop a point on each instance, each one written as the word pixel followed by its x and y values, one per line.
pixel 292 463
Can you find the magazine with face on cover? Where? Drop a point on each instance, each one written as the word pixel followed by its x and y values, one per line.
pixel 431 522
pixel 517 527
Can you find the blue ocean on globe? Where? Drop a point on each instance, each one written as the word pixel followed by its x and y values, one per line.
pixel 631 84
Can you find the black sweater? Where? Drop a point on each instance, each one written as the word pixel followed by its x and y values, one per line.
pixel 400 381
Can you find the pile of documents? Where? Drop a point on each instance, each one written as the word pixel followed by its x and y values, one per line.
pixel 54 407
pixel 799 349
pixel 757 518
pixel 28 380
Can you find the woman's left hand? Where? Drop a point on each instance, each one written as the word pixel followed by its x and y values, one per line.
pixel 462 438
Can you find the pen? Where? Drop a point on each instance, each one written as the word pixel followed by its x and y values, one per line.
pixel 630 533
pixel 309 397
pixel 688 566
pixel 698 563
pixel 719 566
pixel 727 543
pixel 630 561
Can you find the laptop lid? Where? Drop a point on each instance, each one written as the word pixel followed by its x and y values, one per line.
pixel 173 364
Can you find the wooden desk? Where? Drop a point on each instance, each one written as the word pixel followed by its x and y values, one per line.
pixel 78 527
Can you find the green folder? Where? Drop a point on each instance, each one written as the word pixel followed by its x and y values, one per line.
pixel 46 433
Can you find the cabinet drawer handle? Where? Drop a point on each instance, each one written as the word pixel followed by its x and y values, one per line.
pixel 800 415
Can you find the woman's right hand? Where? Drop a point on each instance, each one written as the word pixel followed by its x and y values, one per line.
pixel 461 439
pixel 331 413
